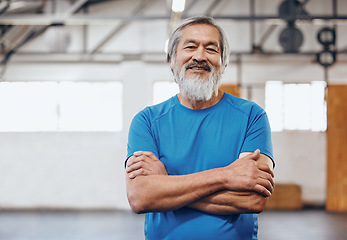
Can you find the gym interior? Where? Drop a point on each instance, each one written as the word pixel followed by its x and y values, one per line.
pixel 74 73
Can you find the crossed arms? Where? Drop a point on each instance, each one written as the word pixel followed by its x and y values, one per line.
pixel 241 187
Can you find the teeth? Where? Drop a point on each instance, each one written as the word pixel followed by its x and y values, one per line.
pixel 198 68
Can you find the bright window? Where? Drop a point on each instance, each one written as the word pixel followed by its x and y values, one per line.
pixel 163 91
pixel 60 106
pixel 28 106
pixel 296 106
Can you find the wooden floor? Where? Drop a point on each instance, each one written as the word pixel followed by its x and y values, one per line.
pixel 49 225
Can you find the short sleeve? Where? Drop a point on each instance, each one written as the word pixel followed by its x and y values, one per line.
pixel 140 136
pixel 258 135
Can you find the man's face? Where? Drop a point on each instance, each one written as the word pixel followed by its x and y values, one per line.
pixel 197 65
pixel 199 47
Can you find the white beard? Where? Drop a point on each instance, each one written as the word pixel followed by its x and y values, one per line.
pixel 197 89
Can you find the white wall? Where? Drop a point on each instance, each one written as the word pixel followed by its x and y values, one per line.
pixel 61 170
pixel 301 159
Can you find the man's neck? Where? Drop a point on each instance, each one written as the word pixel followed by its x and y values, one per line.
pixel 194 104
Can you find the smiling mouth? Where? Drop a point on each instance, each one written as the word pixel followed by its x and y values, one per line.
pixel 199 68
pixel 203 67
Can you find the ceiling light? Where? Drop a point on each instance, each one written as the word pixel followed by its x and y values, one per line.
pixel 178 5
pixel 58 39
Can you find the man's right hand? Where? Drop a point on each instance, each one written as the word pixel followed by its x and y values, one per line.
pixel 246 174
pixel 144 163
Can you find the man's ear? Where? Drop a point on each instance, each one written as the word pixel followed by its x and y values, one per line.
pixel 171 66
pixel 223 67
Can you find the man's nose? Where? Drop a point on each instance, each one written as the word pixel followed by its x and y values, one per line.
pixel 200 54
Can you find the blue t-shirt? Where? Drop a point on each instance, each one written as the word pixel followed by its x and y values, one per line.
pixel 189 141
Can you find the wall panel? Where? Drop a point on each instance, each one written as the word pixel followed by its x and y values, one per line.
pixel 233 89
pixel 336 148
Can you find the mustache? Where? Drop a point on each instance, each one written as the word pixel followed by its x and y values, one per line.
pixel 199 64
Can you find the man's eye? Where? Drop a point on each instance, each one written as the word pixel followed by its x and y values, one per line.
pixel 212 50
pixel 190 47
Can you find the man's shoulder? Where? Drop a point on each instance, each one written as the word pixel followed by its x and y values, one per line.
pixel 242 105
pixel 156 111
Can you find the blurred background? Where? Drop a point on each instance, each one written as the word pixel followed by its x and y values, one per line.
pixel 73 73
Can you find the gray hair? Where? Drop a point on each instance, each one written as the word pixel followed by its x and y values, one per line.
pixel 177 34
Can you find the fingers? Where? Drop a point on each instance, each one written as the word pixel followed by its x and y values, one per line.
pixel 266 184
pixel 265 177
pixel 256 154
pixel 265 168
pixel 136 165
pixel 140 156
pixel 144 163
pixel 144 153
pixel 137 172
pixel 260 185
pixel 262 190
pixel 253 156
pixel 249 174
pixel 264 163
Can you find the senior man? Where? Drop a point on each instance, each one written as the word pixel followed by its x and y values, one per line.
pixel 200 165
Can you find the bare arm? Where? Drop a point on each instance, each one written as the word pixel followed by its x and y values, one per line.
pixel 232 202
pixel 156 193
pixel 151 189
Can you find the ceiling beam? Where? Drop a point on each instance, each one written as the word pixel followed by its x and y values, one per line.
pixel 140 8
pixel 49 19
pixel 26 37
pixel 75 7
pixel 212 7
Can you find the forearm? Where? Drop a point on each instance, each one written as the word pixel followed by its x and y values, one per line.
pixel 150 189
pixel 156 193
pixel 230 202
pixel 234 202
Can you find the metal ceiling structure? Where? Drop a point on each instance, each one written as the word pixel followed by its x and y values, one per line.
pixel 21 21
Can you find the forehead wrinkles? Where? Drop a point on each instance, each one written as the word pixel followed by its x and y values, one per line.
pixel 197 33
